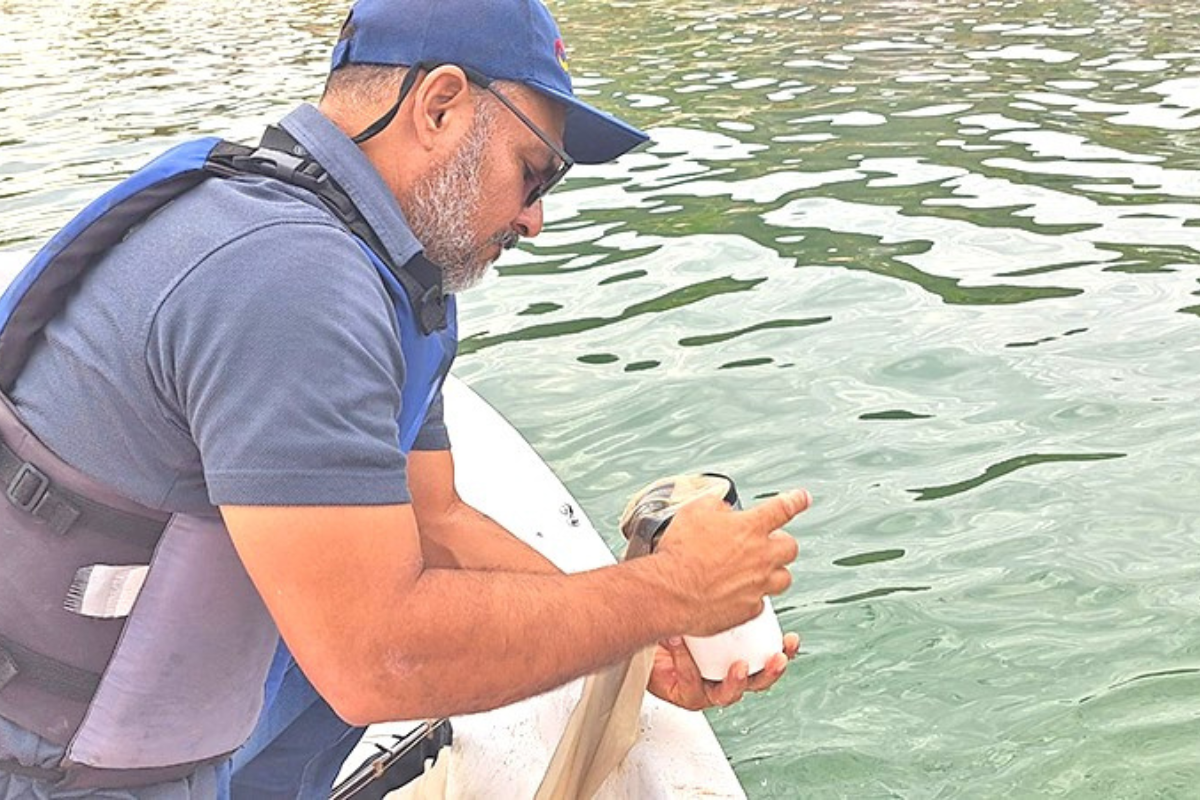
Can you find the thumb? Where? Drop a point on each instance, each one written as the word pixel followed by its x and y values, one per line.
pixel 777 511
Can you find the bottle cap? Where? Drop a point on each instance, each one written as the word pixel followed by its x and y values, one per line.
pixel 651 510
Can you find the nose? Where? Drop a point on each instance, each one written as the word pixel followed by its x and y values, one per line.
pixel 529 222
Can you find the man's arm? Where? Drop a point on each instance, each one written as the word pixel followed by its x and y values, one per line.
pixel 457 535
pixel 384 635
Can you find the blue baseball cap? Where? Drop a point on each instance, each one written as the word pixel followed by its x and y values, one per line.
pixel 508 40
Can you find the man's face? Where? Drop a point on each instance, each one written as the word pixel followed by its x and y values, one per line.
pixel 468 208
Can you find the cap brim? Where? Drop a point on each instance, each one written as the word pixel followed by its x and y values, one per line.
pixel 591 135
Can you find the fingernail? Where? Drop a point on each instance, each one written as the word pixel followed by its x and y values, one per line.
pixel 675 641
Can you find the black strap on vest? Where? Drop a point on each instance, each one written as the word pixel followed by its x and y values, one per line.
pixel 280 156
pixel 48 674
pixel 32 491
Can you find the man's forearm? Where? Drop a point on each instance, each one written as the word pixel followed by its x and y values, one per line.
pixel 467 641
pixel 461 537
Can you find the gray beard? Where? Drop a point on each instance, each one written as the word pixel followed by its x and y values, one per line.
pixel 443 209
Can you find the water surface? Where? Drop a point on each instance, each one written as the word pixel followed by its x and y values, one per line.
pixel 938 262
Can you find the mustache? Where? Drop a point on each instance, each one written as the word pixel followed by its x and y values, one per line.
pixel 507 240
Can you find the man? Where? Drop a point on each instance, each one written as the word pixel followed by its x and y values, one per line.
pixel 238 385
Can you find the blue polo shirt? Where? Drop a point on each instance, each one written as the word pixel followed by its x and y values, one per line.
pixel 236 348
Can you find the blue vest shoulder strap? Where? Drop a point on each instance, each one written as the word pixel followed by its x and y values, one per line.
pixel 36 294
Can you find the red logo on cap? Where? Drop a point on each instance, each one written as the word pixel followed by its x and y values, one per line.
pixel 560 52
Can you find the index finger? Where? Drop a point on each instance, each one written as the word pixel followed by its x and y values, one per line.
pixel 777 511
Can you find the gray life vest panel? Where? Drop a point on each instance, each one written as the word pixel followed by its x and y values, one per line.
pixel 130 636
pixel 136 699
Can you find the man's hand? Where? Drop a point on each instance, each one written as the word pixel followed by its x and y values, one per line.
pixel 676 679
pixel 722 561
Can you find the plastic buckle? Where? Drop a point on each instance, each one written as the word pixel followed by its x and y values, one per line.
pixel 431 309
pixel 27 501
pixel 287 167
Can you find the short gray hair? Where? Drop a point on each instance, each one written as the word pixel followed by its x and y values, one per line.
pixel 368 84
pixel 363 84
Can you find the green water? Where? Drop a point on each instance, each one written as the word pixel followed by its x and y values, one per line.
pixel 935 261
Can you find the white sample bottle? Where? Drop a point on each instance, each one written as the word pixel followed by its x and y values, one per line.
pixel 647 516
pixel 754 642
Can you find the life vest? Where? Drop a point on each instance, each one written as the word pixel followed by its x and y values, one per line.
pixel 145 670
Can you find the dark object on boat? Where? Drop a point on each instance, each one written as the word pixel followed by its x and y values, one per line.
pixel 396 764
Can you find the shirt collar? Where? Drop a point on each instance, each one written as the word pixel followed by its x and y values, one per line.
pixel 347 165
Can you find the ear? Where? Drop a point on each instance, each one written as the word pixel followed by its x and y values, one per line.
pixel 442 107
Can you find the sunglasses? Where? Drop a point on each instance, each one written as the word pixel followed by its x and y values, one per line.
pixel 543 183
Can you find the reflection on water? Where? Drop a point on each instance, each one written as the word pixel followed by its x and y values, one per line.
pixel 1004 468
pixel 874 246
pixel 869 558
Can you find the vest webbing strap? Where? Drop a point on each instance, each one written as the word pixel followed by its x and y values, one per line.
pixel 280 156
pixel 29 489
pixel 48 674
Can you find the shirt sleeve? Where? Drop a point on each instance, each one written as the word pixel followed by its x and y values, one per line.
pixel 280 355
pixel 433 434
